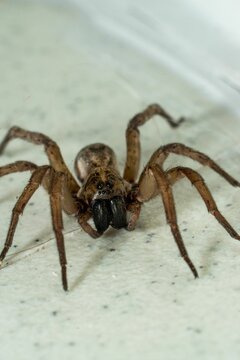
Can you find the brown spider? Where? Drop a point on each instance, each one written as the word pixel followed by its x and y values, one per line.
pixel 104 195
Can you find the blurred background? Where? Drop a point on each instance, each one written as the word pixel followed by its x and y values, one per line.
pixel 198 39
pixel 78 71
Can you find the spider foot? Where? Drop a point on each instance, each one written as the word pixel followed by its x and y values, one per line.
pixel 180 120
pixel 235 183
pixel 191 266
pixel 94 234
pixel 130 226
pixel 196 276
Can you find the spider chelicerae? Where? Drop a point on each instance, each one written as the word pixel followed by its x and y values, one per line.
pixel 104 195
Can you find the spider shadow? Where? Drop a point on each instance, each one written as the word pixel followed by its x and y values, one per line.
pixel 208 257
pixel 107 244
pixel 209 260
pixel 28 249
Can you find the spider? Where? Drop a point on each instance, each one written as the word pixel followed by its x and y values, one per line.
pixel 104 195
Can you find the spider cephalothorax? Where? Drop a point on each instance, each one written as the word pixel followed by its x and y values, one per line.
pixel 102 184
pixel 103 189
pixel 106 196
pixel 105 193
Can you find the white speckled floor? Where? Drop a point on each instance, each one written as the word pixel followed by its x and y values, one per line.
pixel 131 295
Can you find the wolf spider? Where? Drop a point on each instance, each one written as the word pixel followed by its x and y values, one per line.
pixel 104 195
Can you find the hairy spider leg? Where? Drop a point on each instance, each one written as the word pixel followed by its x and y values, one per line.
pixel 133 141
pixel 155 180
pixel 198 182
pixel 56 190
pixel 170 211
pixel 17 166
pixel 83 222
pixel 134 209
pixel 160 155
pixel 22 201
pixel 54 185
pixel 51 148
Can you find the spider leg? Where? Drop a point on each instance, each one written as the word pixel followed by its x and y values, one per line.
pixel 69 204
pixel 83 222
pixel 170 211
pixel 55 187
pixel 196 179
pixel 51 148
pixel 132 137
pixel 135 209
pixel 160 155
pixel 17 166
pixel 26 195
pixel 56 192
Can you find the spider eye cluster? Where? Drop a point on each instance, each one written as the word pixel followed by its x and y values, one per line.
pixel 104 187
pixel 100 185
pixel 109 212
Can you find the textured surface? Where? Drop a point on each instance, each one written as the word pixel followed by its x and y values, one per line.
pixel 131 295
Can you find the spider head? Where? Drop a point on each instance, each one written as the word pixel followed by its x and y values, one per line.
pixel 105 192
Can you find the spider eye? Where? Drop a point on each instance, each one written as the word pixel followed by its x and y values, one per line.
pixel 100 185
pixel 109 184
